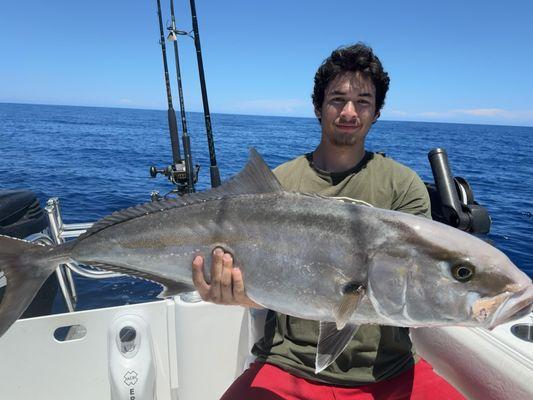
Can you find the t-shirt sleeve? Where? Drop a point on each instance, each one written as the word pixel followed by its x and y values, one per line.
pixel 414 199
pixel 289 174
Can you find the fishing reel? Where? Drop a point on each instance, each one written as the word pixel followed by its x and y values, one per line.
pixel 177 174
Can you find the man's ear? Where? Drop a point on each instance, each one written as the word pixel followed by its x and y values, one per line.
pixel 318 114
pixel 378 114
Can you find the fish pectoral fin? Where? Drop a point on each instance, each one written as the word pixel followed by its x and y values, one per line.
pixel 331 343
pixel 173 288
pixel 333 337
pixel 353 293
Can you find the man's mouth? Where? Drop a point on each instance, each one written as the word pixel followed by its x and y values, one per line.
pixel 347 127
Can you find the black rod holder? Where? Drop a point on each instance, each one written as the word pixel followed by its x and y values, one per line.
pixel 445 183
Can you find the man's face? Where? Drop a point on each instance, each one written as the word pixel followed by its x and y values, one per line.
pixel 348 110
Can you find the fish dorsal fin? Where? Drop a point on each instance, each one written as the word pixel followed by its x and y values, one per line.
pixel 331 343
pixel 254 178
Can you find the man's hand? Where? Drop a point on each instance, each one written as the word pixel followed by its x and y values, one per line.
pixel 227 285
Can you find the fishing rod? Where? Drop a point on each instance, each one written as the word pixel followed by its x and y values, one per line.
pixel 176 172
pixel 191 174
pixel 181 173
pixel 213 169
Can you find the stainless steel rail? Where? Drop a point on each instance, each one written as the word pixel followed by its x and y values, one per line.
pixel 59 232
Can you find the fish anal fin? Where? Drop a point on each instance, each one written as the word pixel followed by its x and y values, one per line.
pixel 331 343
pixel 353 293
pixel 175 288
pixel 170 287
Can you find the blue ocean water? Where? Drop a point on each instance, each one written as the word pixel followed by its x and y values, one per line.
pixel 96 160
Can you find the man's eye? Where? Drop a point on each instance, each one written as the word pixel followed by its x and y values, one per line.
pixel 337 100
pixel 363 102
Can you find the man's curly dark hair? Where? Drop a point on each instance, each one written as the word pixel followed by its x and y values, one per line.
pixel 357 57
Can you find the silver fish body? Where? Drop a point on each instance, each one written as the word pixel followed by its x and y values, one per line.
pixel 299 252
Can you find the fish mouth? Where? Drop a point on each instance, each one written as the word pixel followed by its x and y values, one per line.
pixel 517 305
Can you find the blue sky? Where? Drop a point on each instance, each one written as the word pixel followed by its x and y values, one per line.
pixel 449 61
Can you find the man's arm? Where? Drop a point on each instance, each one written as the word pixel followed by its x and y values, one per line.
pixel 227 283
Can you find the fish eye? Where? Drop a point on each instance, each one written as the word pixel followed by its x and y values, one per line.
pixel 463 272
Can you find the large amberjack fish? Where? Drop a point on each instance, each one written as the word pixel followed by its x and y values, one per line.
pixel 302 255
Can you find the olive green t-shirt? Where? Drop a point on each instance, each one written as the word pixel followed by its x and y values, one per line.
pixel 376 352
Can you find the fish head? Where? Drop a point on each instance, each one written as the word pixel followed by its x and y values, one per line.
pixel 499 292
pixel 429 274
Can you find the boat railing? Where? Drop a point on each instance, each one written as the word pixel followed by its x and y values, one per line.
pixel 59 233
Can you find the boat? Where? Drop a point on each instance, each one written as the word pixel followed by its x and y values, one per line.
pixel 177 352
pixel 170 349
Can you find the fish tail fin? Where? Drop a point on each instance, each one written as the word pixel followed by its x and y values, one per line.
pixel 25 266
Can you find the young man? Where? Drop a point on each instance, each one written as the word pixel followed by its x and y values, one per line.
pixel 378 363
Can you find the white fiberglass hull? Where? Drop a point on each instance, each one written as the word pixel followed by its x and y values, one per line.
pixel 198 349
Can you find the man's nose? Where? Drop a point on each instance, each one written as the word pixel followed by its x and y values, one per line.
pixel 349 111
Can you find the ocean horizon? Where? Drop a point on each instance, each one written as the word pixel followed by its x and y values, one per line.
pixel 255 115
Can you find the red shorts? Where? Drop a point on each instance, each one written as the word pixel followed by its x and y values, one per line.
pixel 268 382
